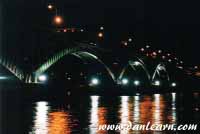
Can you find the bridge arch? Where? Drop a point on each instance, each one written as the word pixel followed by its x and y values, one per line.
pixel 133 64
pixel 82 54
pixel 160 67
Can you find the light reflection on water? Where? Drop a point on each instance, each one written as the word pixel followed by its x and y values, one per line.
pixel 139 109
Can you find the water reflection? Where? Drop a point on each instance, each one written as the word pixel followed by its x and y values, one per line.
pixel 173 109
pixel 124 112
pixel 139 109
pixel 158 107
pixel 94 114
pixel 41 118
pixel 136 110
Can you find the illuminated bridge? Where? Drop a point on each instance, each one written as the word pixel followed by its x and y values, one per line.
pixel 152 65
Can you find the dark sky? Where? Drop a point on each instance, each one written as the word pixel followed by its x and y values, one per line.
pixel 171 25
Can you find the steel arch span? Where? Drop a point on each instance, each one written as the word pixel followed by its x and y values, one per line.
pixel 160 67
pixel 11 67
pixel 134 64
pixel 80 53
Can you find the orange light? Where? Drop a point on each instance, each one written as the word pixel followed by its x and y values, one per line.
pixel 58 20
pixel 100 35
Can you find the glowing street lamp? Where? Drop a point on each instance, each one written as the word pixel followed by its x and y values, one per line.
pixel 42 78
pixel 50 7
pixel 130 40
pixel 136 82
pixel 3 78
pixel 58 20
pixel 157 83
pixel 100 34
pixel 173 84
pixel 94 81
pixel 147 46
pixel 125 81
pixel 125 43
pixel 136 63
pixel 101 28
pixel 142 49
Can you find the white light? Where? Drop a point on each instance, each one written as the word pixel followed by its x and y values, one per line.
pixel 147 46
pixel 136 82
pixel 3 78
pixel 159 51
pixel 157 83
pixel 125 43
pixel 173 84
pixel 129 39
pixel 101 28
pixel 94 118
pixel 42 77
pixel 136 63
pixel 159 68
pixel 95 81
pixel 124 81
pixel 124 110
pixel 41 118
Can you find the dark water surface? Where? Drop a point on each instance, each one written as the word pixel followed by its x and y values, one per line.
pixel 83 114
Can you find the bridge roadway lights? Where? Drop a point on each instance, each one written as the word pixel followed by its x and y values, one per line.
pixel 157 83
pixel 173 84
pixel 125 81
pixel 136 63
pixel 136 82
pixel 94 82
pixel 42 78
pixel 3 78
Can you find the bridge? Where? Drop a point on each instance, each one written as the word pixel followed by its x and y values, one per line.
pixel 138 62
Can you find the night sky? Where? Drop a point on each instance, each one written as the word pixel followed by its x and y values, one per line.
pixel 170 25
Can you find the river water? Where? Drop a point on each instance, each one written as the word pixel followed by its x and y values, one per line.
pixel 83 114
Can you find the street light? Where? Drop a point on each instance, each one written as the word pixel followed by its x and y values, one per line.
pixel 125 43
pixel 136 82
pixel 125 81
pixel 50 7
pixel 130 40
pixel 58 20
pixel 157 83
pixel 173 84
pixel 3 78
pixel 136 63
pixel 94 81
pixel 101 28
pixel 42 78
pixel 142 49
pixel 147 46
pixel 100 34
